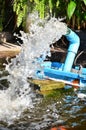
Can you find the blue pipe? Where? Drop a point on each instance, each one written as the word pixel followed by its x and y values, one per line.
pixel 74 43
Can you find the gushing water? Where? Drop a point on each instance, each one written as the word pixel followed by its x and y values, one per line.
pixel 18 97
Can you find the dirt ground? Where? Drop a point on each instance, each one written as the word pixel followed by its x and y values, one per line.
pixel 9 50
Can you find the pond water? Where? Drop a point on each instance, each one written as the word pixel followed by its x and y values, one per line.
pixel 61 107
pixel 22 107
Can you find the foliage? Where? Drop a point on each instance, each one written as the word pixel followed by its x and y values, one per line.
pixel 20 7
pixel 71 8
pixel 45 7
pixel 2 12
pixel 74 10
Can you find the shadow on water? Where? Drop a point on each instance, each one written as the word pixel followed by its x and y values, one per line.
pixel 60 109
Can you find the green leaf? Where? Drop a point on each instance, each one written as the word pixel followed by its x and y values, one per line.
pixel 31 0
pixel 84 2
pixel 71 8
pixel 57 3
pixel 50 5
pixel 42 9
pixel 36 1
pixel 84 15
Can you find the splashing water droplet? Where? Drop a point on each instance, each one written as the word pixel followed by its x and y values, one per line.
pixel 17 97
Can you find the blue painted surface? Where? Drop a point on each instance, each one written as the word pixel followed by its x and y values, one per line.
pixel 57 73
pixel 74 43
pixel 64 71
pixel 54 70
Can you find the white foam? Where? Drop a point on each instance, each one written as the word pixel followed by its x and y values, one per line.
pixel 17 97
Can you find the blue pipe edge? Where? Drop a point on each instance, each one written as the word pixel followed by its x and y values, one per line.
pixel 74 43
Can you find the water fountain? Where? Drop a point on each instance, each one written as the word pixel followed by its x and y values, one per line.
pixel 18 97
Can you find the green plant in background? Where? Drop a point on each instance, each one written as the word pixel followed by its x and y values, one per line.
pixel 40 6
pixel 2 12
pixel 44 7
pixel 76 10
pixel 20 7
pixel 71 9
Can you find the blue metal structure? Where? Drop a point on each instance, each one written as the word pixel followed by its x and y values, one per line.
pixel 65 72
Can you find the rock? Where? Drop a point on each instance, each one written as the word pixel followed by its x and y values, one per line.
pixel 6 37
pixel 2 128
pixel 46 85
